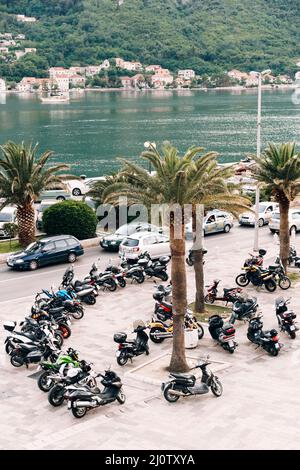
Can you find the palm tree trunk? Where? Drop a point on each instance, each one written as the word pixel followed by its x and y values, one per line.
pixel 25 218
pixel 198 260
pixel 284 234
pixel 178 275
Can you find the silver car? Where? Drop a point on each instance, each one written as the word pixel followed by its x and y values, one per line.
pixel 215 221
pixel 294 221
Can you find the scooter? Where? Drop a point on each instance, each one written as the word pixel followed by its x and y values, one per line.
pixel 224 334
pixel 61 298
pixel 118 274
pixel 190 258
pixel 256 260
pixel 134 272
pixel 33 353
pixel 285 317
pixel 129 349
pixel 229 295
pixel 154 269
pixel 163 310
pixel 105 280
pixel 244 308
pixel 185 385
pixel 77 289
pixel 159 330
pixel 83 399
pixel 268 340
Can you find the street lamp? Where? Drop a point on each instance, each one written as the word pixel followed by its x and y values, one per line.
pixel 260 75
pixel 152 146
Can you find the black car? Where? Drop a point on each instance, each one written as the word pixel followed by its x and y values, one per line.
pixel 113 241
pixel 50 250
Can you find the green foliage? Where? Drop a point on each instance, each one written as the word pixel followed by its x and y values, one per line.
pixel 71 218
pixel 210 36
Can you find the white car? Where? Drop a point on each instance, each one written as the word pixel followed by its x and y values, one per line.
pixel 214 221
pixel 266 210
pixel 155 244
pixel 7 215
pixel 294 221
pixel 77 187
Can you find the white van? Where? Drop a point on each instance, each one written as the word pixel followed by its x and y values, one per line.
pixel 7 215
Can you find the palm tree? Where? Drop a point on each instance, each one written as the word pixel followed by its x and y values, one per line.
pixel 212 191
pixel 23 176
pixel 278 168
pixel 175 180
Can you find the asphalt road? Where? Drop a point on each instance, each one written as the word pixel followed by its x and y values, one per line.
pixel 19 284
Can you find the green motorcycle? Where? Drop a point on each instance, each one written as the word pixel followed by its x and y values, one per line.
pixel 61 366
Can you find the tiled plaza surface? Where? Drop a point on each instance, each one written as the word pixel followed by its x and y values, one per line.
pixel 260 407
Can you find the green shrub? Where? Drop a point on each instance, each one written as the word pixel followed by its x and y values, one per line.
pixel 70 218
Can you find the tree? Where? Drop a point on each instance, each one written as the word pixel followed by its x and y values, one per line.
pixel 72 218
pixel 173 183
pixel 11 229
pixel 278 168
pixel 23 176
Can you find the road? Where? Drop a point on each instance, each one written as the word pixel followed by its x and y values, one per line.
pixel 18 284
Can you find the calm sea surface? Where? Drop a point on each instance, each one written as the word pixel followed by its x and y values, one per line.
pixel 95 128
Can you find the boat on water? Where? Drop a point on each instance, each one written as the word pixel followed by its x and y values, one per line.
pixel 55 99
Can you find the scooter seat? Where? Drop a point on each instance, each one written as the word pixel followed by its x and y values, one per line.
pixel 228 290
pixel 55 310
pixel 183 376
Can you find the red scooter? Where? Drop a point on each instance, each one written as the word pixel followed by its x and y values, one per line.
pixel 229 295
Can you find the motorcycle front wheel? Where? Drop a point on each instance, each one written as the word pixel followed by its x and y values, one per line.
pixel 284 283
pixel 169 396
pixel 153 336
pixel 122 282
pixel 216 387
pixel 65 330
pixel 292 334
pixel 121 397
pixel 242 280
pixel 270 285
pixel 139 277
pixel 89 300
pixel 44 383
pixel 273 352
pixel 208 299
pixel 56 396
pixel 78 313
pixel 122 359
pixel 16 360
pixel 163 276
pixel 78 411
pixel 200 330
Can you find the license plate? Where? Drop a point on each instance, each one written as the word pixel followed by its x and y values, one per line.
pixel 276 346
pixel 118 353
pixel 292 328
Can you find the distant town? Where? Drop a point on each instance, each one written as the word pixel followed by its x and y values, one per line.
pixel 120 74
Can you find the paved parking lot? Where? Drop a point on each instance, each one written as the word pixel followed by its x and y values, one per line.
pixel 259 409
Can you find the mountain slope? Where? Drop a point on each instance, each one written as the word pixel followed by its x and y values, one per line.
pixel 207 35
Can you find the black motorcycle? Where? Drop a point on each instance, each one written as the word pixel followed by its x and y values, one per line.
pixel 293 257
pixel 185 385
pixel 154 268
pixel 285 317
pixel 129 349
pixel 118 273
pixel 85 291
pixel 27 354
pixel 84 399
pixel 224 334
pixel 105 280
pixel 133 272
pixel 258 277
pixel 54 315
pixel 268 340
pixel 243 308
pixel 190 258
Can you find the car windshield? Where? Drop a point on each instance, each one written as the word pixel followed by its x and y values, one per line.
pixel 5 217
pixel 262 207
pixel 276 216
pixel 35 246
pixel 130 242
pixel 126 230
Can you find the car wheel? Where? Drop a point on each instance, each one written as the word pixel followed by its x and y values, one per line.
pixel 60 198
pixel 227 228
pixel 33 265
pixel 261 222
pixel 71 258
pixel 76 192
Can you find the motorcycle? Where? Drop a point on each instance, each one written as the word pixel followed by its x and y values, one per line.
pixel 224 334
pixel 285 317
pixel 77 289
pixel 293 257
pixel 243 308
pixel 129 349
pixel 84 399
pixel 118 274
pixel 159 331
pixel 190 258
pixel 154 268
pixel 45 381
pixel 185 385
pixel 105 280
pixel 61 298
pixel 257 277
pixel 268 340
pixel 229 295
pixel 34 353
pixel 256 260
pixel 83 375
pixel 134 272
pixel 54 315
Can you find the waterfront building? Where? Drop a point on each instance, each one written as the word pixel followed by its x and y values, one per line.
pixel 26 19
pixel 126 82
pixel 187 74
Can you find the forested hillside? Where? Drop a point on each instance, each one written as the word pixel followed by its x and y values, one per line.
pixel 209 36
